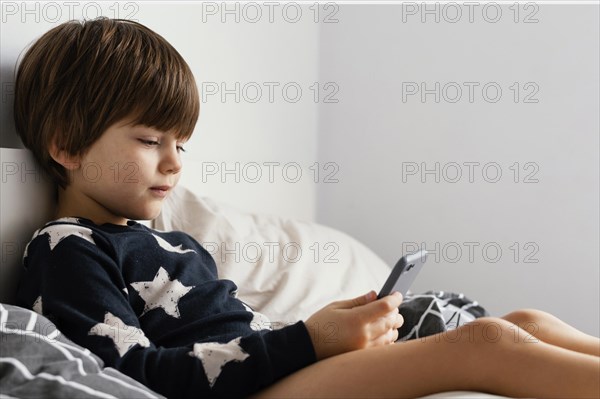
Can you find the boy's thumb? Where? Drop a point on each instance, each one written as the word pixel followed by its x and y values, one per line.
pixel 358 301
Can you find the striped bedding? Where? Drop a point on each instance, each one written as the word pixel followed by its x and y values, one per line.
pixel 37 361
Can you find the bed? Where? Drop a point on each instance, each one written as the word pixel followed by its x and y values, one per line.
pixel 273 260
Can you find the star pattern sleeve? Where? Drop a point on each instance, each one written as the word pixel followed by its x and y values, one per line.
pixel 75 278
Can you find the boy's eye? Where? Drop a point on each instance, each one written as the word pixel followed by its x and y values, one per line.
pixel 155 143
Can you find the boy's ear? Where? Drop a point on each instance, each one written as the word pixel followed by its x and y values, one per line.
pixel 62 157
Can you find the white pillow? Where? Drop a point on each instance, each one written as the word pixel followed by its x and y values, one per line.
pixel 284 268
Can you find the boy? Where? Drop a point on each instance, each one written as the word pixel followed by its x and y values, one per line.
pixel 106 106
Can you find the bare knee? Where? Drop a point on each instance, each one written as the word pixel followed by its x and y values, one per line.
pixel 494 331
pixel 527 317
pixel 485 335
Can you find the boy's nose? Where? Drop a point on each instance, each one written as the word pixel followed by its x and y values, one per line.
pixel 171 161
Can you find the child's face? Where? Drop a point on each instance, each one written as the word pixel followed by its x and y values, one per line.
pixel 125 174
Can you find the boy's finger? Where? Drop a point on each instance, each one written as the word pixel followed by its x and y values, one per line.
pixel 391 321
pixel 388 337
pixel 355 302
pixel 381 307
pixel 399 296
pixel 399 321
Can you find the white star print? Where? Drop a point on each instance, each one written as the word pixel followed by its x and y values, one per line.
pixel 37 305
pixel 215 356
pixel 162 292
pixel 53 244
pixel 259 320
pixel 164 244
pixel 58 232
pixel 35 234
pixel 125 337
pixel 68 220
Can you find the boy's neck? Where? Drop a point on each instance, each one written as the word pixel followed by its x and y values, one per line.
pixel 72 203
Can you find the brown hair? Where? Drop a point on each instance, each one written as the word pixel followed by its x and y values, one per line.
pixel 79 78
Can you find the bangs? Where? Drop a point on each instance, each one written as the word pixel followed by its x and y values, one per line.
pixel 166 98
pixel 147 81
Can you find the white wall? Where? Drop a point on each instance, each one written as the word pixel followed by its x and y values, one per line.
pixel 372 134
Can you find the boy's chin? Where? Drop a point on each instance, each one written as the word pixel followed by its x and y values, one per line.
pixel 148 215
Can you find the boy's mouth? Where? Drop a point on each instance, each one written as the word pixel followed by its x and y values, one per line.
pixel 160 191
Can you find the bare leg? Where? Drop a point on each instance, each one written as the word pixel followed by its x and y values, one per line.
pixel 488 355
pixel 552 330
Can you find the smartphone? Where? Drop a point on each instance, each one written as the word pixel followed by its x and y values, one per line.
pixel 404 273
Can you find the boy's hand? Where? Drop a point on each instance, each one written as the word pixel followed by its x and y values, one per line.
pixel 357 323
